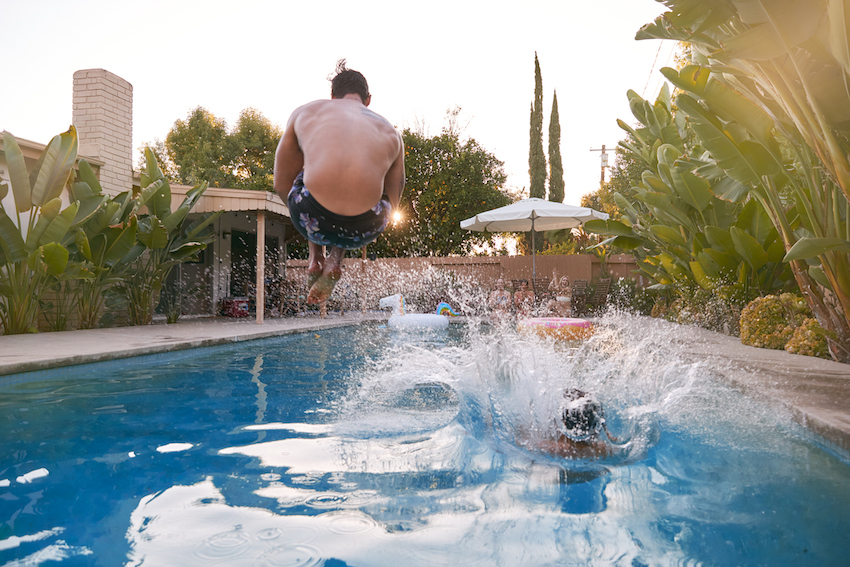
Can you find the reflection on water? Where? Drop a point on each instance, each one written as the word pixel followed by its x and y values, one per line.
pixel 374 448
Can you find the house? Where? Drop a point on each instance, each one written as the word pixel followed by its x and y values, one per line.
pixel 233 264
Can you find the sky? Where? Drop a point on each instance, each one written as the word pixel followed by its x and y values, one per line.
pixel 420 59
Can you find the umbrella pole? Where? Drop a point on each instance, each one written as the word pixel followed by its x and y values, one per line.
pixel 533 254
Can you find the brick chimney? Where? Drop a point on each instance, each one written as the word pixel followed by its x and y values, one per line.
pixel 103 116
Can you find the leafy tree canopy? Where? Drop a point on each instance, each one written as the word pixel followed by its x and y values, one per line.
pixel 202 148
pixel 448 180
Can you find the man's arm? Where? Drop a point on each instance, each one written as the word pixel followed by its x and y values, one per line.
pixel 394 180
pixel 288 160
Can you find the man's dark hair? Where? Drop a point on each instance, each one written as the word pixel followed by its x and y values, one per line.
pixel 349 81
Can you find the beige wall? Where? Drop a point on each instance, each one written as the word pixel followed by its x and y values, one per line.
pixel 486 269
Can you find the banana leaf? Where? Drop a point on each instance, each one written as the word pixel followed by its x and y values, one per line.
pixel 59 226
pixel 12 246
pixel 48 212
pixel 119 242
pixel 18 176
pixel 729 155
pixel 695 79
pixel 816 272
pixel 668 234
pixel 785 25
pixel 609 226
pixel 55 258
pixel 53 168
pixel 724 263
pixel 720 238
pixel 811 247
pixel 703 279
pixel 86 175
pixel 152 233
pixel 748 248
pixel 754 220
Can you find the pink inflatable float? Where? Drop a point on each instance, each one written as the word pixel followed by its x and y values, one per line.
pixel 566 328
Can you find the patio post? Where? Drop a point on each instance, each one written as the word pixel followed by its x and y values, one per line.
pixel 261 266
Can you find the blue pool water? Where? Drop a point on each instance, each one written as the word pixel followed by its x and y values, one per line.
pixel 366 447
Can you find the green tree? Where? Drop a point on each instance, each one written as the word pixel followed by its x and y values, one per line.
pixel 200 149
pixel 254 139
pixel 556 168
pixel 536 157
pixel 448 180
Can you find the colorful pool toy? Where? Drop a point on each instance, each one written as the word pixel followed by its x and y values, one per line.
pixel 564 328
pixel 444 308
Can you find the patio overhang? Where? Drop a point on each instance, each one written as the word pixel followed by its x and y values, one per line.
pixel 262 203
pixel 216 199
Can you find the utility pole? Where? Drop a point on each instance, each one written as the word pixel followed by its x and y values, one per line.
pixel 604 157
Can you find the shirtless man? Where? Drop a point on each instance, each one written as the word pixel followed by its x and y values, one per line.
pixel 340 167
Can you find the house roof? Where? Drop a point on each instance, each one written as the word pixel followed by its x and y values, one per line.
pixel 32 151
pixel 218 199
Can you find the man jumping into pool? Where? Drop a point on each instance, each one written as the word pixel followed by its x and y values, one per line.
pixel 578 430
pixel 340 168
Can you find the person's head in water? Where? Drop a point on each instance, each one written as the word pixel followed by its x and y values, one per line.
pixel 581 416
pixel 348 81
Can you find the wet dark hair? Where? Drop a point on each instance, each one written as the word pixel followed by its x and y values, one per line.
pixel 348 81
pixel 582 415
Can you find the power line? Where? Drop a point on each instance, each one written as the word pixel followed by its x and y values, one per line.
pixel 643 94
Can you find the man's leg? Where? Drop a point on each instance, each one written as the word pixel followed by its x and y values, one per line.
pixel 315 262
pixel 332 271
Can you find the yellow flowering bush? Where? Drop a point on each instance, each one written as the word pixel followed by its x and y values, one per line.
pixel 810 339
pixel 769 321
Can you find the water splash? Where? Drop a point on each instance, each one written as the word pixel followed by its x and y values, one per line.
pixel 501 383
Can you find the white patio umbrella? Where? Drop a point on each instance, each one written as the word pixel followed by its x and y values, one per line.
pixel 531 215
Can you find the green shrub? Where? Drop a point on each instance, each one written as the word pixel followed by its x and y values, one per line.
pixel 810 339
pixel 769 322
pixel 645 300
pixel 622 294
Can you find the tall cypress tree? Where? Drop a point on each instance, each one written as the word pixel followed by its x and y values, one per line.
pixel 556 168
pixel 536 157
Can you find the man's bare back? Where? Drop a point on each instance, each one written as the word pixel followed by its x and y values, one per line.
pixel 351 155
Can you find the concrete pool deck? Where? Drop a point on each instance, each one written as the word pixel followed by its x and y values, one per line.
pixel 816 391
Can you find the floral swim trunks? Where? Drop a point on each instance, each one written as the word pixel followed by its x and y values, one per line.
pixel 323 227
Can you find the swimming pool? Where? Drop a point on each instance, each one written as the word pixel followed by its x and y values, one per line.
pixel 364 446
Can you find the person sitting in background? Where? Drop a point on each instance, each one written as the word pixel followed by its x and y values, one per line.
pixel 523 299
pixel 561 304
pixel 500 299
pixel 552 290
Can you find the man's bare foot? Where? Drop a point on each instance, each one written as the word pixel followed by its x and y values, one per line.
pixel 322 288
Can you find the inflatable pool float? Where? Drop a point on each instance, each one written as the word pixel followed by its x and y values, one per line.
pixel 410 321
pixel 565 328
pixel 444 308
